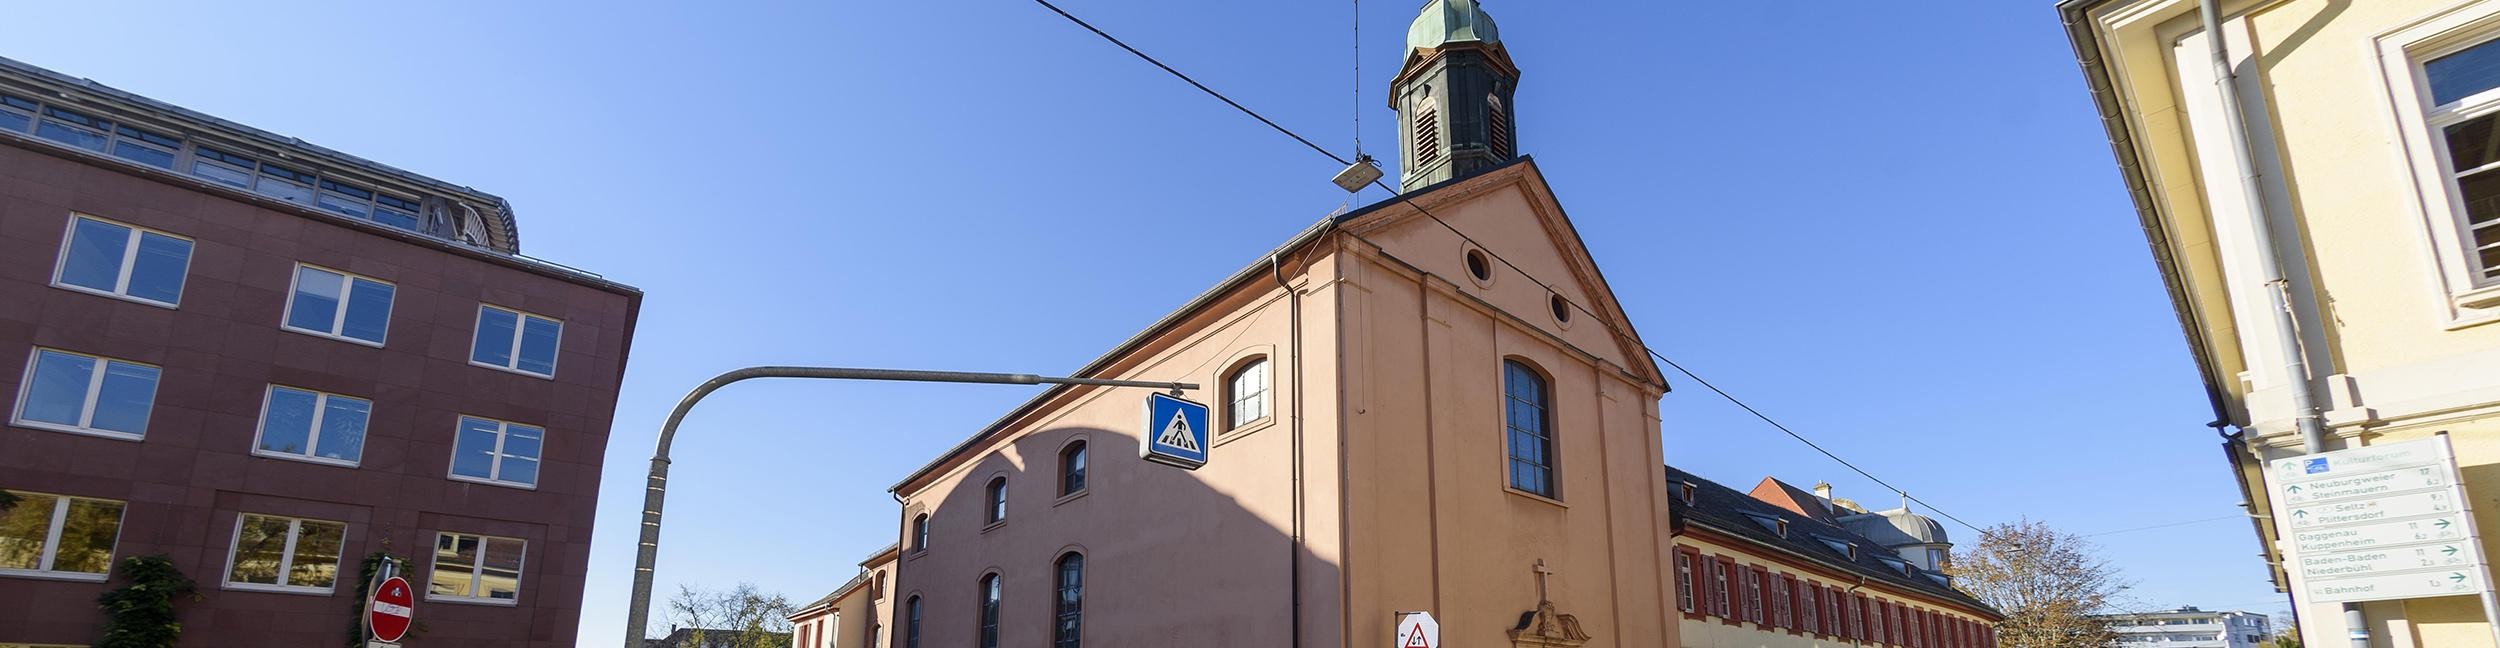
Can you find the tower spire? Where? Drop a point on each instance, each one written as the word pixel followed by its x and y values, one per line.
pixel 1453 96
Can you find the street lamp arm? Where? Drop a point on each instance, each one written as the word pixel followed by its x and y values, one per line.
pixel 655 492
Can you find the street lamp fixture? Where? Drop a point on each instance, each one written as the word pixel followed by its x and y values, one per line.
pixel 656 493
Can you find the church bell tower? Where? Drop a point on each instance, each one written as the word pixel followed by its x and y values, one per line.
pixel 1453 97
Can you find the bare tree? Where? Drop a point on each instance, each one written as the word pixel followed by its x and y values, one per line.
pixel 2049 584
pixel 2286 631
pixel 740 617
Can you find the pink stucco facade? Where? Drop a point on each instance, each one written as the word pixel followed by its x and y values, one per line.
pixel 1375 483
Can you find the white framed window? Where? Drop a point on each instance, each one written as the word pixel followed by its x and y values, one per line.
pixel 1246 394
pixel 312 426
pixel 515 341
pixel 2443 74
pixel 84 394
pixel 476 569
pixel 284 554
pixel 56 536
pixel 117 260
pixel 497 452
pixel 338 305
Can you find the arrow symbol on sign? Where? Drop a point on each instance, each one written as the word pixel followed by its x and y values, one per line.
pixel 2449 550
pixel 2295 489
pixel 2302 513
pixel 2456 578
pixel 2443 523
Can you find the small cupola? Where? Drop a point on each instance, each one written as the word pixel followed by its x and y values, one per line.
pixel 1453 96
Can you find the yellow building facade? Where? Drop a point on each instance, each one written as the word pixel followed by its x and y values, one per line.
pixel 2369 133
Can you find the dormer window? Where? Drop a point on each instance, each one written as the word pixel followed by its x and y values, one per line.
pixel 1771 523
pixel 1687 493
pixel 1899 565
pixel 1844 547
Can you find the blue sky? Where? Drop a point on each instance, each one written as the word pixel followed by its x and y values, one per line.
pixel 1899 232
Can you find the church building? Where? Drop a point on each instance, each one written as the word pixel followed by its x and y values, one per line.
pixel 1431 404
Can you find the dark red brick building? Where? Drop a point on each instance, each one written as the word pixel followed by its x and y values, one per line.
pixel 268 361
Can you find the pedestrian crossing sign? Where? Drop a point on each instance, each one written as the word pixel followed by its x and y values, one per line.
pixel 1175 432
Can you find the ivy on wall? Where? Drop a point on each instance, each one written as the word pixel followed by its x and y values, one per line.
pixel 140 614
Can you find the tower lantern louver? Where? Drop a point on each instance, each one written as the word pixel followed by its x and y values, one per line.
pixel 1453 97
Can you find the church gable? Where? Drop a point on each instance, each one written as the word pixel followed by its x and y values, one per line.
pixel 1515 236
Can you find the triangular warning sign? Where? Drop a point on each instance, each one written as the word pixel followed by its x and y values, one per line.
pixel 1415 639
pixel 1177 435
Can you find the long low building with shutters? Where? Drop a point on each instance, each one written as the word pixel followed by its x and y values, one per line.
pixel 1782 567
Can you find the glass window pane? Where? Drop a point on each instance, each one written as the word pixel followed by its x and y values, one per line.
pixel 71 135
pixel 519 471
pixel 282 190
pixel 455 562
pixel 369 311
pixel 473 454
pixel 345 205
pixel 148 155
pixel 14 121
pixel 59 392
pixel 286 423
pixel 158 272
pixel 257 550
pixel 128 392
pixel 521 441
pixel 94 258
pixel 538 345
pixel 343 428
pixel 2460 75
pixel 316 554
pixel 395 218
pixel 222 174
pixel 317 295
pixel 87 537
pixel 500 577
pixel 23 527
pixel 495 329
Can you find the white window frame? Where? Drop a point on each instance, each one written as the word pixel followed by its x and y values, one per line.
pixel 130 261
pixel 52 541
pixel 2472 298
pixel 312 444
pixel 86 410
pixel 1234 395
pixel 338 321
pixel 503 431
pixel 520 324
pixel 286 556
pixel 477 572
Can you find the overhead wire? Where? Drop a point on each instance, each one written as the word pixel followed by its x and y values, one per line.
pixel 1514 267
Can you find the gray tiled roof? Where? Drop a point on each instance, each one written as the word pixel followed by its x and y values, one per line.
pixel 1732 512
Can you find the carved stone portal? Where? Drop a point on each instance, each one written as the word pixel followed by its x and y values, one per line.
pixel 1544 627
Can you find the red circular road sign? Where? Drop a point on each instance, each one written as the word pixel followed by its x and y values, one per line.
pixel 388 613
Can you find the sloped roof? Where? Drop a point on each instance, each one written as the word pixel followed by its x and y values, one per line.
pixel 1783 495
pixel 1728 511
pixel 1257 271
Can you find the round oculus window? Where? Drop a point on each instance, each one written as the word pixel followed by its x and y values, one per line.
pixel 1478 266
pixel 1562 308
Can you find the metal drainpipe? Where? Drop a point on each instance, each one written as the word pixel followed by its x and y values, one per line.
pixel 1293 354
pixel 2311 423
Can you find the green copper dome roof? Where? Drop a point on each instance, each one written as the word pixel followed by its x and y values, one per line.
pixel 1451 21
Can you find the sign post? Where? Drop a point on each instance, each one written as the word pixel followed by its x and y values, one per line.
pixel 2382 522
